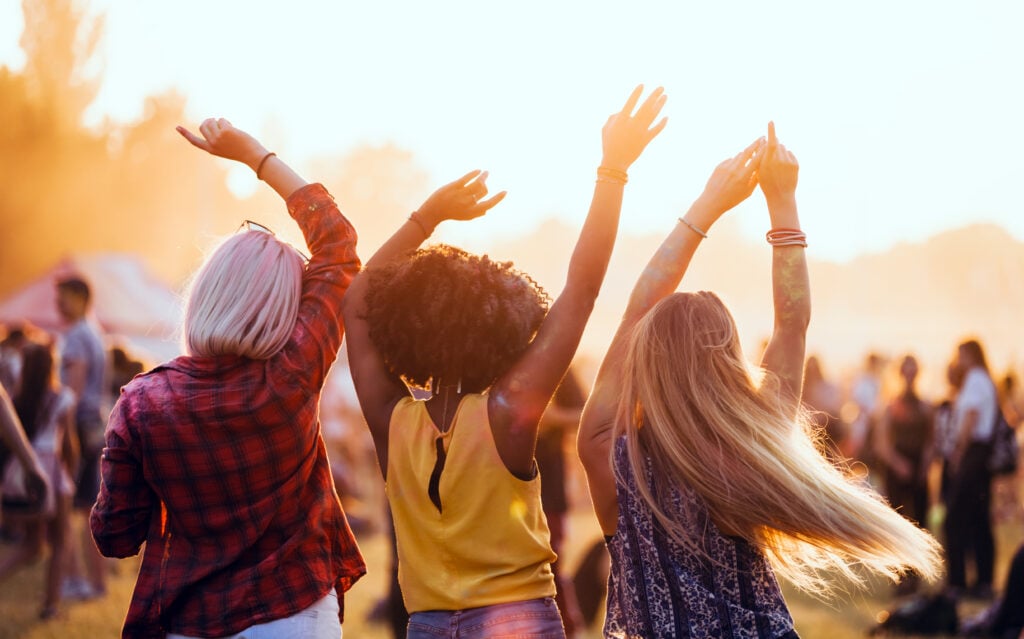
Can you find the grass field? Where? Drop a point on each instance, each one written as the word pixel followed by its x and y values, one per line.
pixel 845 618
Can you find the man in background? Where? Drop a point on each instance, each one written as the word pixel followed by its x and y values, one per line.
pixel 83 366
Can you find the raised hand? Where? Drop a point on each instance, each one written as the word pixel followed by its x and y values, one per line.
pixel 221 138
pixel 733 180
pixel 626 134
pixel 778 171
pixel 459 200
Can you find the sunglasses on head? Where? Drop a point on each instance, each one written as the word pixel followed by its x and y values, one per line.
pixel 249 225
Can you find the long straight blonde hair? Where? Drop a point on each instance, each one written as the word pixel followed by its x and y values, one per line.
pixel 693 413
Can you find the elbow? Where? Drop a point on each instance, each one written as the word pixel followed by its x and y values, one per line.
pixel 593 448
pixel 795 319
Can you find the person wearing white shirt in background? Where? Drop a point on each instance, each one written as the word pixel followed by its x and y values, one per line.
pixel 968 525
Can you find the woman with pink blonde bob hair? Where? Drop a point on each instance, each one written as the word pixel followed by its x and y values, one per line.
pixel 215 459
pixel 245 298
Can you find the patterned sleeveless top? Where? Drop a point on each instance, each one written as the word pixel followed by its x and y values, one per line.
pixel 658 588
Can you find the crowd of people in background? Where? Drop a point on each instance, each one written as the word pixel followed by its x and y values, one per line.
pixel 707 475
pixel 60 386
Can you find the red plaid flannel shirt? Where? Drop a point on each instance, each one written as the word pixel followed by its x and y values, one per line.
pixel 218 464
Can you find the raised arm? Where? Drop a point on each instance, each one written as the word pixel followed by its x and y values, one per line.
pixel 378 390
pixel 791 289
pixel 307 357
pixel 731 182
pixel 222 139
pixel 518 399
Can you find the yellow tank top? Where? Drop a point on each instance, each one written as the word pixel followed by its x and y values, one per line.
pixel 489 543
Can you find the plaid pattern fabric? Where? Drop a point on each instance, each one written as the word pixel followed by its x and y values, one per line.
pixel 218 464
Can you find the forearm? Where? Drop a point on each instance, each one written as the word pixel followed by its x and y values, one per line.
pixel 590 258
pixel 790 282
pixel 332 266
pixel 120 518
pixel 659 279
pixel 407 238
pixel 663 273
pixel 791 289
pixel 279 176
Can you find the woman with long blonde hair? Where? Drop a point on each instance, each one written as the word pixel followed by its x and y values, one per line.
pixel 704 474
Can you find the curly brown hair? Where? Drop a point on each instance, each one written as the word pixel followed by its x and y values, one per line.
pixel 444 314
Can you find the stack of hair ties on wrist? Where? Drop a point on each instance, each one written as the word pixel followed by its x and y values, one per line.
pixel 611 176
pixel 787 237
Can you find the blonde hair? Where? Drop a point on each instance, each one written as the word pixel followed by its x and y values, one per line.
pixel 693 413
pixel 245 298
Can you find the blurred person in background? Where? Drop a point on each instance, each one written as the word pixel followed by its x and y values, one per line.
pixel 1006 494
pixel 16 337
pixel 903 445
pixel 46 411
pixel 17 449
pixel 824 401
pixel 558 427
pixel 866 397
pixel 123 368
pixel 83 368
pixel 968 525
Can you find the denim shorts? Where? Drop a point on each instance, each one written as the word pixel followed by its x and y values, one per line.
pixel 535 618
pixel 319 621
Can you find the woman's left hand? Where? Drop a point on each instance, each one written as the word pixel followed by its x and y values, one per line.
pixel 459 200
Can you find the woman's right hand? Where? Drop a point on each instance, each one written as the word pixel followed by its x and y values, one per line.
pixel 221 138
pixel 626 135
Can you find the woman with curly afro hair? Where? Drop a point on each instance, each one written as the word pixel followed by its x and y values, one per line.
pixel 474 552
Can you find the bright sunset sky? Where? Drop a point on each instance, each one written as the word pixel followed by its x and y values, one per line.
pixel 906 116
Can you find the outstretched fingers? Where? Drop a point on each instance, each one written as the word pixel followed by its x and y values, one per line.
pixel 483 206
pixel 465 179
pixel 193 139
pixel 651 106
pixel 748 153
pixel 653 132
pixel 627 109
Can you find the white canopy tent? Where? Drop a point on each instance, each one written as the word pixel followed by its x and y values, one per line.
pixel 132 306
